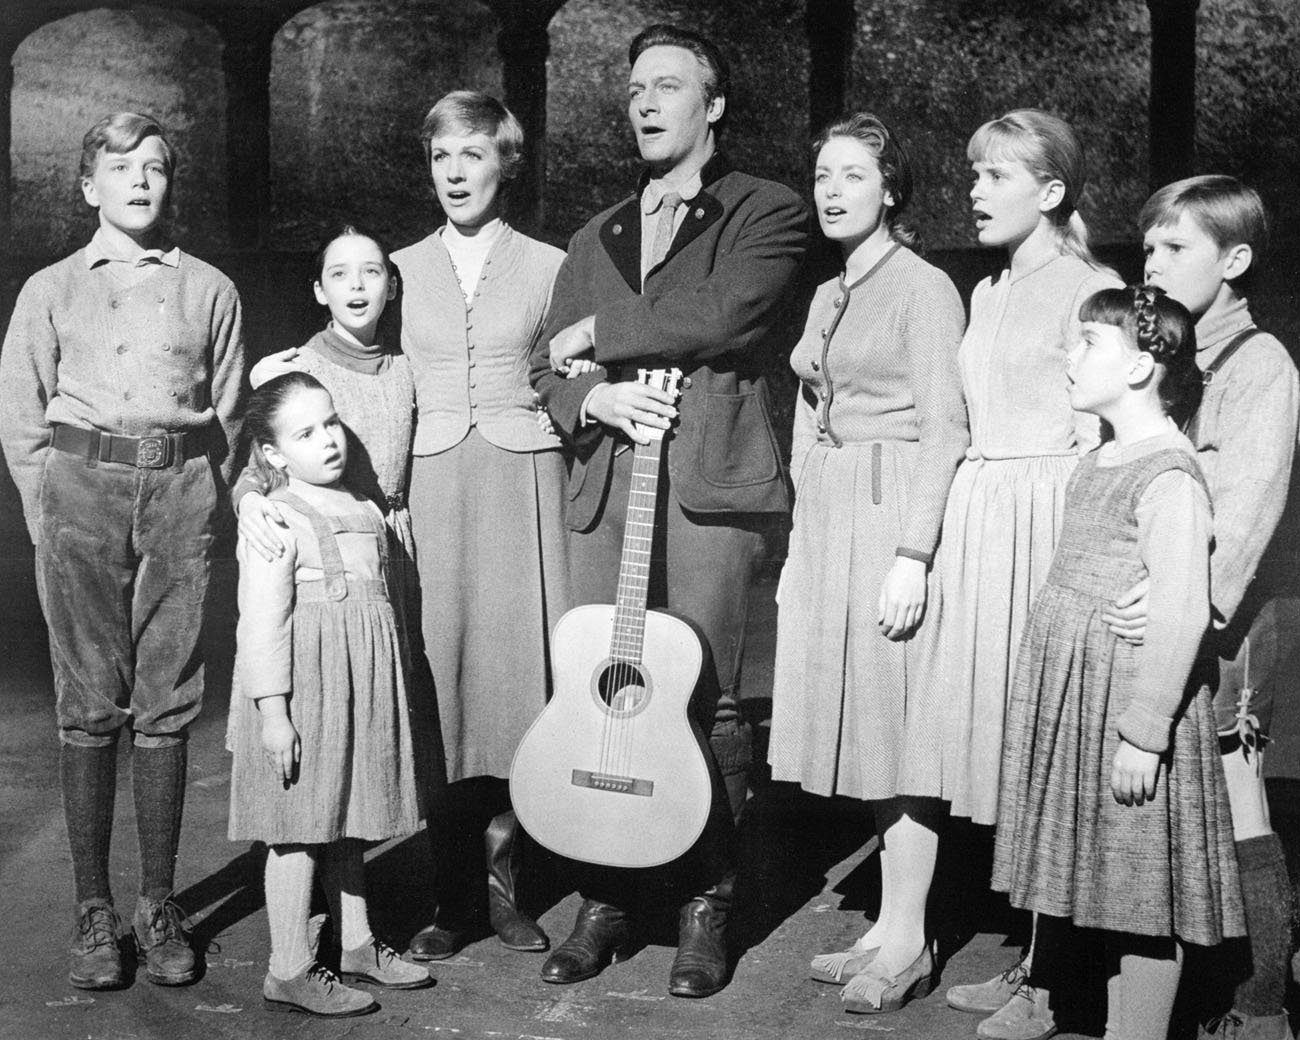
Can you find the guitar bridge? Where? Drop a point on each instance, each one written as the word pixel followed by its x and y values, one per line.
pixel 614 784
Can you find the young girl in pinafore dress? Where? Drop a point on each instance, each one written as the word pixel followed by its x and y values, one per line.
pixel 1113 809
pixel 324 762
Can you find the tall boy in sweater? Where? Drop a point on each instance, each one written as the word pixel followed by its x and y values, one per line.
pixel 1202 237
pixel 120 381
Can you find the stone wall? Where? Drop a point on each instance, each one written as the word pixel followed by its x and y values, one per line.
pixel 72 72
pixel 591 155
pixel 351 81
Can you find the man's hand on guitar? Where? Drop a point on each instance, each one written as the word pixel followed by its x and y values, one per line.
pixel 623 405
pixel 567 344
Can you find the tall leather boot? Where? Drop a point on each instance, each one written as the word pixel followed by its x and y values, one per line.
pixel 700 967
pixel 515 929
pixel 599 935
pixel 457 881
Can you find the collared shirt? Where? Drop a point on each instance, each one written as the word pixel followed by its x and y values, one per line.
pixel 127 271
pixel 652 199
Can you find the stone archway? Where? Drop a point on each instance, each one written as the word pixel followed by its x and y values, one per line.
pixel 163 62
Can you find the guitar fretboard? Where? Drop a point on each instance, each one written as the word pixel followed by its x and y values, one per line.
pixel 634 569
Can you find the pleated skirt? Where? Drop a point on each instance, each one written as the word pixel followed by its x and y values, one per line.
pixel 356 777
pixel 1064 846
pixel 848 716
pixel 493 571
pixel 1000 530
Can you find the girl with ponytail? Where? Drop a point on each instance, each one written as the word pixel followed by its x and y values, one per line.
pixel 1004 511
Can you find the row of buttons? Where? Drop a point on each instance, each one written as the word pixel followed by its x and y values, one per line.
pixel 117 302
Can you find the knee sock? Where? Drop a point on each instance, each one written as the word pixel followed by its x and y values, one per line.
pixel 289 873
pixel 1051 952
pixel 1268 897
pixel 1149 970
pixel 158 783
pixel 343 871
pixel 88 776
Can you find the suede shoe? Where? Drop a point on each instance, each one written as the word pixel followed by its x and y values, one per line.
pixel 1026 1016
pixel 163 942
pixel 317 991
pixel 984 998
pixel 378 963
pixel 95 959
pixel 599 935
pixel 1236 1025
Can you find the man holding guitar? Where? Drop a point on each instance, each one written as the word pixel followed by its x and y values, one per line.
pixel 696 271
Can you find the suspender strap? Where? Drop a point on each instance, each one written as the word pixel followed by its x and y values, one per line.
pixel 1207 376
pixel 335 579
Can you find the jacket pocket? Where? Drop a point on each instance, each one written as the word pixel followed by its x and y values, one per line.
pixel 737 448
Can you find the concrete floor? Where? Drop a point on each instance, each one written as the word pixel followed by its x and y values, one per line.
pixel 810 881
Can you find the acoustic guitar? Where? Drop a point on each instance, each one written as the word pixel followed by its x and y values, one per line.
pixel 613 771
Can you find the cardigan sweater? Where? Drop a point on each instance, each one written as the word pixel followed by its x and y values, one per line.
pixel 164 355
pixel 880 358
pixel 469 355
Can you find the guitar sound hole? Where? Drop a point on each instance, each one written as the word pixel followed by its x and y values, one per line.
pixel 622 688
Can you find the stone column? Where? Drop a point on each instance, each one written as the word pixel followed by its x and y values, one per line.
pixel 831 25
pixel 246 61
pixel 1172 108
pixel 524 43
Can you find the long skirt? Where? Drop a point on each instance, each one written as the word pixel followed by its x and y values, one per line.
pixel 493 572
pixel 1000 529
pixel 848 716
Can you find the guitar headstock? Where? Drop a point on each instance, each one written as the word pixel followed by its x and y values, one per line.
pixel 667 379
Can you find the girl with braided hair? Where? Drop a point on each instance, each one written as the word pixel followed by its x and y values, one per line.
pixel 1113 810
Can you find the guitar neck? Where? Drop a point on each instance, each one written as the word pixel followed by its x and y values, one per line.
pixel 634 568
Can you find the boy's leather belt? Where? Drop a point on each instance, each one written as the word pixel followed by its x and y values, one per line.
pixel 142 452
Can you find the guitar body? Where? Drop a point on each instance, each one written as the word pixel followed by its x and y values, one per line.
pixel 613 771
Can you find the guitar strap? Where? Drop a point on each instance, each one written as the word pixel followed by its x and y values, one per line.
pixel 1191 428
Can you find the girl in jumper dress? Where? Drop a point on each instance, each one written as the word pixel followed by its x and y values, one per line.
pixel 1113 809
pixel 324 762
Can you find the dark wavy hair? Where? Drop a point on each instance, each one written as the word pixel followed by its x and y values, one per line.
pixel 259 422
pixel 348 230
pixel 893 159
pixel 1162 327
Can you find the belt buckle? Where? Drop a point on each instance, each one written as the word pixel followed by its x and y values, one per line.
pixel 151 452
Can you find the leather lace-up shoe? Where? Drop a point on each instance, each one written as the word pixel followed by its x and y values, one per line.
pixel 95 959
pixel 163 942
pixel 600 934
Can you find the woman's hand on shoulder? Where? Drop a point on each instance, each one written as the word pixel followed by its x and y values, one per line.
pixel 902 599
pixel 273 365
pixel 1133 774
pixel 259 519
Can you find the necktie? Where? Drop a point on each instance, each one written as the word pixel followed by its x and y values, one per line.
pixel 664 229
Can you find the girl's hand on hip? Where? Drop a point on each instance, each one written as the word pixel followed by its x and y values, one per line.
pixel 1133 774
pixel 281 744
pixel 902 599
pixel 1127 616
pixel 258 519
pixel 273 365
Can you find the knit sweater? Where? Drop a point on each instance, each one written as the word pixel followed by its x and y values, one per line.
pixel 880 358
pixel 162 356
pixel 1245 436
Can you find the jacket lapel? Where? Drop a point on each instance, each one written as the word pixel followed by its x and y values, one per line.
pixel 621 237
